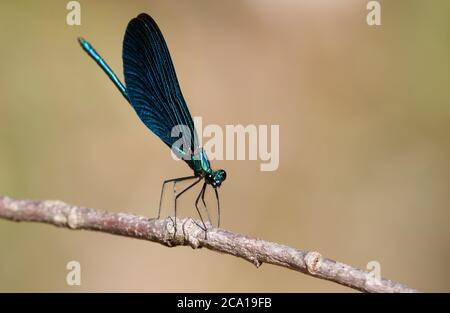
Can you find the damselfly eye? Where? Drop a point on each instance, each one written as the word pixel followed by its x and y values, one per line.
pixel 224 174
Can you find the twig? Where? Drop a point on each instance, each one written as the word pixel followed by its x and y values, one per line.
pixel 189 233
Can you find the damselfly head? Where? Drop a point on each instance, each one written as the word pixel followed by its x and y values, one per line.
pixel 218 177
pixel 215 178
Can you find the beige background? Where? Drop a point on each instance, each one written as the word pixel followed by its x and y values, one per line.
pixel 364 152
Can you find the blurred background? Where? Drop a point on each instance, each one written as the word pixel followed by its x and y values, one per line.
pixel 364 120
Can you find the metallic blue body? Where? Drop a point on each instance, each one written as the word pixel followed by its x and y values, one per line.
pixel 153 91
pixel 104 66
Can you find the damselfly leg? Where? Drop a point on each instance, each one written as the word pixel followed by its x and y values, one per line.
pixel 174 180
pixel 206 208
pixel 202 196
pixel 202 192
pixel 176 198
pixel 218 207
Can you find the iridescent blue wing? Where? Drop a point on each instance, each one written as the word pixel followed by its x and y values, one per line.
pixel 152 85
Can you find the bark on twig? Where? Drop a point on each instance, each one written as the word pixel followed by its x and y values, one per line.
pixel 189 233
